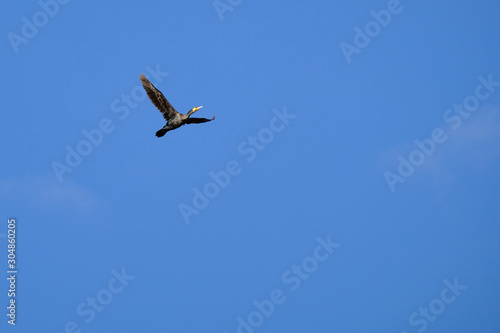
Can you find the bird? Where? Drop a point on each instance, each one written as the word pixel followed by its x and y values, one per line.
pixel 174 119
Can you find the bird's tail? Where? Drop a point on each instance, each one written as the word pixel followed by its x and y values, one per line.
pixel 161 132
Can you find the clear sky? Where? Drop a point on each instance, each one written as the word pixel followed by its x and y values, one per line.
pixel 349 182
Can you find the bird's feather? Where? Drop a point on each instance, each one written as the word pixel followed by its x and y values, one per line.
pixel 192 120
pixel 158 99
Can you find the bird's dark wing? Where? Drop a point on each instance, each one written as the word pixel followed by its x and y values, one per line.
pixel 198 120
pixel 158 99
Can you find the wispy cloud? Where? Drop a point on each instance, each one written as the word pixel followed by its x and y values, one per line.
pixel 484 128
pixel 45 191
pixel 472 110
pixel 476 144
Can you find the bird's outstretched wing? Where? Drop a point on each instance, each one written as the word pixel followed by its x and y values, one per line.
pixel 158 99
pixel 198 120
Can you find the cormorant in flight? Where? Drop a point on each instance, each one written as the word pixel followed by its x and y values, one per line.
pixel 174 119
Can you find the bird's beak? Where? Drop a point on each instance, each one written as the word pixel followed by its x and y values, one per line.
pixel 198 107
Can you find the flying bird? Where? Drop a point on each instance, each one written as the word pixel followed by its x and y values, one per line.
pixel 174 119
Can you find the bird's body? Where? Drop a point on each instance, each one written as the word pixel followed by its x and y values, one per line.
pixel 174 119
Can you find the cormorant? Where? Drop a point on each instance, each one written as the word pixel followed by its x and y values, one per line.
pixel 174 119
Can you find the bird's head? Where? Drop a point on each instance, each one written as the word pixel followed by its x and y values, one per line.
pixel 193 110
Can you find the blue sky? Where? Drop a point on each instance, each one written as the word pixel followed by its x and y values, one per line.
pixel 349 182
